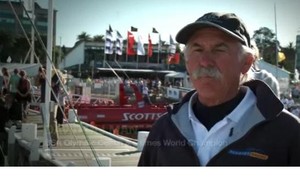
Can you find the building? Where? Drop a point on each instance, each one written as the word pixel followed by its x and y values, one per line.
pixel 9 23
pixel 85 58
pixel 16 18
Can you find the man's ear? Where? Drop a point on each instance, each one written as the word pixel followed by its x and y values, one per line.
pixel 186 67
pixel 249 60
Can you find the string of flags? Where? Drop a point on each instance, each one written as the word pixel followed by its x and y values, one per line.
pixel 114 43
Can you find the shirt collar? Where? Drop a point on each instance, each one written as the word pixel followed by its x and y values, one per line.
pixel 248 101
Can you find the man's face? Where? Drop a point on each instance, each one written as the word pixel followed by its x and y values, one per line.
pixel 215 63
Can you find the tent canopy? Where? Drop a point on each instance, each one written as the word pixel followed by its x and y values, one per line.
pixel 30 69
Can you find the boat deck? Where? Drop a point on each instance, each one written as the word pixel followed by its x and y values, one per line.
pixel 73 148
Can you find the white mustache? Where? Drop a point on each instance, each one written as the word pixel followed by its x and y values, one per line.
pixel 206 72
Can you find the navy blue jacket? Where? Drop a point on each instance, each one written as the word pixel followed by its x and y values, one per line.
pixel 277 137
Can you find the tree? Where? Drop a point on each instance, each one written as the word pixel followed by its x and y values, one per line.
pixel 20 49
pixel 98 38
pixel 266 42
pixel 84 37
pixel 7 41
pixel 289 62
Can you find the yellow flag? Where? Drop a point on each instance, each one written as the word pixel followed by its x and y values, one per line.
pixel 281 57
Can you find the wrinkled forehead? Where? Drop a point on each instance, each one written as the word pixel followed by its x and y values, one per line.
pixel 211 34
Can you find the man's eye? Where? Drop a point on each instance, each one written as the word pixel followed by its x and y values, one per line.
pixel 198 50
pixel 220 50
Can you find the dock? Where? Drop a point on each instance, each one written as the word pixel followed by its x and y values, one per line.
pixel 79 144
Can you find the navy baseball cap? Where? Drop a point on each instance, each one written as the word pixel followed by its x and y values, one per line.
pixel 227 22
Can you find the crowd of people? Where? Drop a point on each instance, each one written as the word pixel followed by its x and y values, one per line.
pixel 14 98
pixel 16 91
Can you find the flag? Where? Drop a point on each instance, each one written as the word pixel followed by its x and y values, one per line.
pixel 154 30
pixel 171 40
pixel 133 29
pixel 159 43
pixel 281 57
pixel 108 43
pixel 119 43
pixel 8 60
pixel 174 58
pixel 110 29
pixel 130 44
pixel 140 47
pixel 149 46
pixel 172 47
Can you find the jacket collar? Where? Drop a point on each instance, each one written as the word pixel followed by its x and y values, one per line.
pixel 267 102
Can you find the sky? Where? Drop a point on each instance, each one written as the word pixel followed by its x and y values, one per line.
pixel 168 16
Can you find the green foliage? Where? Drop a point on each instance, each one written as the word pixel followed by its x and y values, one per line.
pixel 98 38
pixel 265 40
pixel 84 37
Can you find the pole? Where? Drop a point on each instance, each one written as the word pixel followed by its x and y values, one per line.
pixel 32 32
pixel 59 56
pixel 158 48
pixel 48 73
pixel 276 41
pixel 127 48
pixel 137 61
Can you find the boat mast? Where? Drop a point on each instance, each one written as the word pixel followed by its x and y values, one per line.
pixel 48 72
pixel 276 42
pixel 32 32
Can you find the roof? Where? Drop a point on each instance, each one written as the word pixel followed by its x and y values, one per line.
pixel 276 71
pixel 177 75
pixel 136 70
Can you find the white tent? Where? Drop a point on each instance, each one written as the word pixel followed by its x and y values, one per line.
pixel 31 69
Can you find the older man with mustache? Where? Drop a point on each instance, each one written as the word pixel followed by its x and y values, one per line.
pixel 226 120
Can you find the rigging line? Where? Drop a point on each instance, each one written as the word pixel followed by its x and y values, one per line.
pixel 90 145
pixel 85 135
pixel 82 127
pixel 23 30
pixel 114 71
pixel 13 9
pixel 47 80
pixel 28 38
pixel 48 135
pixel 122 70
pixel 80 124
pixel 75 136
pixel 36 31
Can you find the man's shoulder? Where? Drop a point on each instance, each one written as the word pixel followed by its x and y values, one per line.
pixel 161 125
pixel 287 119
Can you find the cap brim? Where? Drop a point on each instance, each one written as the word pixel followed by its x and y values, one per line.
pixel 186 32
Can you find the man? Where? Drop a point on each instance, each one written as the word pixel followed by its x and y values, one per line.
pixel 224 121
pixel 14 82
pixel 55 84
